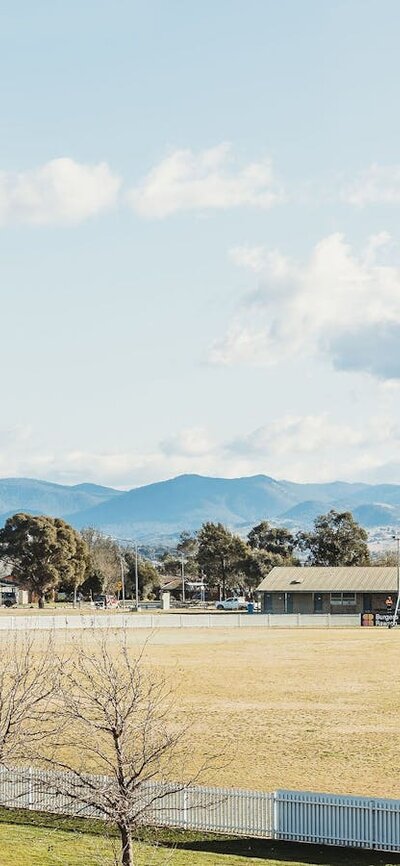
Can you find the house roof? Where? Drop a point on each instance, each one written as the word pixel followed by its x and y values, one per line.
pixel 321 579
pixel 171 583
pixel 5 568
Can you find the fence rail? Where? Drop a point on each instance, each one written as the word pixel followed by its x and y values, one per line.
pixel 195 807
pixel 330 819
pixel 299 816
pixel 75 621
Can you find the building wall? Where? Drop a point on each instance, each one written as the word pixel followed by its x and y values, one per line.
pixel 378 600
pixel 358 607
pixel 303 602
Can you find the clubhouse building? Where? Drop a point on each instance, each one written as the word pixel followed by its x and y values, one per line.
pixel 360 589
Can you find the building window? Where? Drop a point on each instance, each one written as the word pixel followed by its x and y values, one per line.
pixel 343 599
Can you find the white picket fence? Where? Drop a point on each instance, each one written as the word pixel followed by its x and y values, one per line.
pixel 331 819
pixel 195 807
pixel 77 621
pixel 297 816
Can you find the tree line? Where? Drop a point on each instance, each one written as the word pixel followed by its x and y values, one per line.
pixel 224 558
pixel 48 555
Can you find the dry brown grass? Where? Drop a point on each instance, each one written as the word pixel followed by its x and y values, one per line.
pixel 308 709
pixel 295 708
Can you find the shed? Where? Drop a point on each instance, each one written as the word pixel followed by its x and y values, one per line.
pixel 317 589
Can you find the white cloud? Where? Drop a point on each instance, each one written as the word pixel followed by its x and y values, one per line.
pixel 259 260
pixel 379 184
pixel 299 448
pixel 61 191
pixel 190 442
pixel 206 180
pixel 297 434
pixel 338 305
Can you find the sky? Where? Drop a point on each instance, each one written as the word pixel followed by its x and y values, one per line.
pixel 199 239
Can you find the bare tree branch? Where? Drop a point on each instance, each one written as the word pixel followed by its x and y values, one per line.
pixel 115 718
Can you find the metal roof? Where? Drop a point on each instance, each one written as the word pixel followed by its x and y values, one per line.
pixel 363 578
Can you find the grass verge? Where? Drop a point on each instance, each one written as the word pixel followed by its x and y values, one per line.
pixel 40 839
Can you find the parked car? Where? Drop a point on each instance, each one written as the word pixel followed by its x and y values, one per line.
pixel 8 599
pixel 105 601
pixel 235 602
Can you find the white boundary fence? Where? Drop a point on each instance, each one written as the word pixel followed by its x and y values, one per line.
pixel 297 816
pixel 195 807
pixel 178 620
pixel 330 819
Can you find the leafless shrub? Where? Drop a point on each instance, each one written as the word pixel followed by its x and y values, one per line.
pixel 116 720
pixel 28 683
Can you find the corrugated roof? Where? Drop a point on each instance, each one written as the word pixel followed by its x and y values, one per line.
pixel 361 578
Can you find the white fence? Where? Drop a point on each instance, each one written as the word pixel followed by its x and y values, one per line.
pixel 195 807
pixel 297 816
pixel 178 620
pixel 330 819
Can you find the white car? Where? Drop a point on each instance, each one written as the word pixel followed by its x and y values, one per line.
pixel 235 602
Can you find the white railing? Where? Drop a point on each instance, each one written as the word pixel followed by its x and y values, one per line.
pixel 195 807
pixel 75 621
pixel 331 819
pixel 297 816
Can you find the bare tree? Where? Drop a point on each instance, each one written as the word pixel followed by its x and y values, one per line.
pixel 117 721
pixel 28 677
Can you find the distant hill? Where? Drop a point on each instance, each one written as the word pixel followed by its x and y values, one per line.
pixel 186 502
pixel 160 511
pixel 43 497
pixel 304 513
pixel 165 508
pixel 376 515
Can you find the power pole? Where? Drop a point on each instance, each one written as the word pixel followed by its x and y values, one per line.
pixel 396 610
pixel 122 581
pixel 183 578
pixel 136 578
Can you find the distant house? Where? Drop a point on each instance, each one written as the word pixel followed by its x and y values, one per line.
pixel 10 590
pixel 360 589
pixel 194 589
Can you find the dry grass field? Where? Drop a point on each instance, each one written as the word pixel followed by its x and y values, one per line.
pixel 288 708
pixel 307 709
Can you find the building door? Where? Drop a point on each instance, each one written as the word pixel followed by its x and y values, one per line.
pixel 288 602
pixel 267 602
pixel 318 602
pixel 367 602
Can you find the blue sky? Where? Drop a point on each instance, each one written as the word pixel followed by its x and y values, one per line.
pixel 199 237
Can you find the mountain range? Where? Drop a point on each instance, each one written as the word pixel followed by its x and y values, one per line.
pixel 159 511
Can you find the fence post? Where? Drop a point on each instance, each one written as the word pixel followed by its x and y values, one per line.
pixel 275 816
pixel 30 789
pixel 372 824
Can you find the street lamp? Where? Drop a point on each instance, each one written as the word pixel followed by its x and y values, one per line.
pixel 183 578
pixel 136 548
pixel 396 610
pixel 136 578
pixel 122 580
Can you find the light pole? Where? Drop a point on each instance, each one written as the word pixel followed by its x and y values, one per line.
pixel 122 580
pixel 136 578
pixel 183 578
pixel 202 589
pixel 136 547
pixel 396 610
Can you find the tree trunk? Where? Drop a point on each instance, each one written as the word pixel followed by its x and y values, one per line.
pixel 126 845
pixel 41 601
